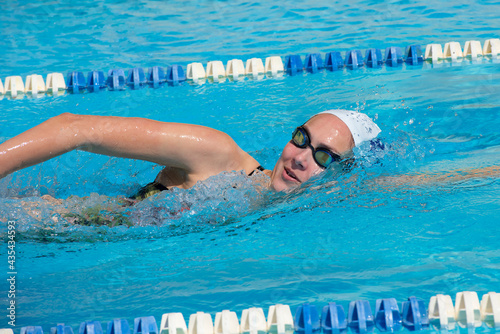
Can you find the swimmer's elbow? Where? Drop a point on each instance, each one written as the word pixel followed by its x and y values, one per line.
pixel 71 128
pixel 66 117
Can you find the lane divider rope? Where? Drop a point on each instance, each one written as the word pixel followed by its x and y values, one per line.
pixel 235 70
pixel 440 315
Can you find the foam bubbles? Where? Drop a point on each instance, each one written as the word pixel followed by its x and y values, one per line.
pixel 217 200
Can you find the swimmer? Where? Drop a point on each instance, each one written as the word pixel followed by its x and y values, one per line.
pixel 190 153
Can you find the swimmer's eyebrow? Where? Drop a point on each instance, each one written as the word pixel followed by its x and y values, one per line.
pixel 321 144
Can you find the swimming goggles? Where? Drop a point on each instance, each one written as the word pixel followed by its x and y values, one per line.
pixel 322 156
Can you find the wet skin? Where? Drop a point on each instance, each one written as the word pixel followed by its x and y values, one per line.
pixel 191 153
pixel 296 165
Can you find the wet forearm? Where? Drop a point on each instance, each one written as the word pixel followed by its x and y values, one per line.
pixel 51 138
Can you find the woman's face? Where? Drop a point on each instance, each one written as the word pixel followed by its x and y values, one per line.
pixel 296 165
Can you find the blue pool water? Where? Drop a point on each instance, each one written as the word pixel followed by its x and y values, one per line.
pixel 373 233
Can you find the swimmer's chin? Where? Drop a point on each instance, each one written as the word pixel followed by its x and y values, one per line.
pixel 283 190
pixel 276 184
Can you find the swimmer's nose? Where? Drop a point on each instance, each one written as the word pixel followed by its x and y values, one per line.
pixel 301 158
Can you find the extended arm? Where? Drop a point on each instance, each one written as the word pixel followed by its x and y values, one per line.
pixel 449 176
pixel 195 149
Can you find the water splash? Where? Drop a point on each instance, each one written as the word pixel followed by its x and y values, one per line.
pixel 217 200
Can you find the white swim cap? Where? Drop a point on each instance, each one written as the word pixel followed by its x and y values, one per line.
pixel 361 126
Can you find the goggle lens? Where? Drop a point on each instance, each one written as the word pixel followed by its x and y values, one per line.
pixel 299 138
pixel 322 157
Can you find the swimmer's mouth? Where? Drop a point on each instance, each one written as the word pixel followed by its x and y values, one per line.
pixel 291 175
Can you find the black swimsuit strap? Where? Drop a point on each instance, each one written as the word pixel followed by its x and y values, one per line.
pixel 258 168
